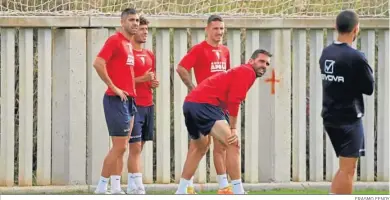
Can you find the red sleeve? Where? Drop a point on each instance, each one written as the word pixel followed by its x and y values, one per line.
pixel 153 61
pixel 189 60
pixel 228 60
pixel 238 89
pixel 108 49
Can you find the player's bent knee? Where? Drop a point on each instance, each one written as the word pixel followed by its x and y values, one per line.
pixel 135 148
pixel 235 146
pixel 119 150
pixel 348 164
pixel 219 148
pixel 203 149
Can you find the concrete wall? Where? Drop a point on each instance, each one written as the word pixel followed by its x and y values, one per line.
pixel 71 134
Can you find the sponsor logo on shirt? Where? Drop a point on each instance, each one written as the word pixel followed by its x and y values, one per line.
pixel 218 66
pixel 130 57
pixel 328 75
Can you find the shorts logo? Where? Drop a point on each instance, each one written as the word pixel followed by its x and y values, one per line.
pixel 133 137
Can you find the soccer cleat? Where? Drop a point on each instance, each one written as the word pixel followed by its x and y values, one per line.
pixel 191 190
pixel 136 191
pixel 226 190
pixel 101 192
pixel 117 192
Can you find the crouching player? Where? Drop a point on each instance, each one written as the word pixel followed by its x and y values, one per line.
pixel 203 111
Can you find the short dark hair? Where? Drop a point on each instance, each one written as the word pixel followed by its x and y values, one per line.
pixel 214 18
pixel 260 51
pixel 128 11
pixel 346 21
pixel 143 21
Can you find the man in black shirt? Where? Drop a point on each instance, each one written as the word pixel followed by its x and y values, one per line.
pixel 346 76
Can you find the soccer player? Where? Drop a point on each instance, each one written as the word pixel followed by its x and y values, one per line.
pixel 346 76
pixel 145 81
pixel 204 115
pixel 114 64
pixel 208 58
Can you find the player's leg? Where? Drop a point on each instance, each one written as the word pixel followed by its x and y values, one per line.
pixel 350 146
pixel 118 121
pixel 199 145
pixel 191 187
pixel 134 158
pixel 148 130
pixel 219 153
pixel 115 179
pixel 221 131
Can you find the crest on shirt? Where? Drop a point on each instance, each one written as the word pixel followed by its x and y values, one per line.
pixel 142 60
pixel 217 54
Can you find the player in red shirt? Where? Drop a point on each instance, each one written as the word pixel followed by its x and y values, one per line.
pixel 114 64
pixel 204 115
pixel 145 82
pixel 208 58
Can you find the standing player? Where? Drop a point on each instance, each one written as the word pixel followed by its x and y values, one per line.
pixel 145 81
pixel 208 58
pixel 346 76
pixel 114 64
pixel 204 115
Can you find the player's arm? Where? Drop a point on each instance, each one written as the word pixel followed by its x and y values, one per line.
pixel 154 83
pixel 102 58
pixel 148 76
pixel 365 76
pixel 184 67
pixel 237 94
pixel 228 60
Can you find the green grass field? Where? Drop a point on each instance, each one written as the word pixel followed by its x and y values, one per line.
pixel 265 192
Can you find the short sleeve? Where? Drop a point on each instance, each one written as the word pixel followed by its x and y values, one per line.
pixel 189 60
pixel 108 49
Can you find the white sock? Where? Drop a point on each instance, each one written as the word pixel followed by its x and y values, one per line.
pixel 116 183
pixel 130 182
pixel 191 182
pixel 102 185
pixel 223 181
pixel 182 186
pixel 237 186
pixel 138 180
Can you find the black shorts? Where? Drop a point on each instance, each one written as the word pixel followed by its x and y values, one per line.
pixel 118 114
pixel 347 140
pixel 143 124
pixel 200 118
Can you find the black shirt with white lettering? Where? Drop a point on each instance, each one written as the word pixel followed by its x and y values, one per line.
pixel 346 76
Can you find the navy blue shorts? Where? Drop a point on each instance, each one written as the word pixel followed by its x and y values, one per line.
pixel 200 118
pixel 347 140
pixel 143 124
pixel 118 114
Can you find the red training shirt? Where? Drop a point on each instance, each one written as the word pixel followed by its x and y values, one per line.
pixel 144 61
pixel 206 60
pixel 118 54
pixel 226 89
